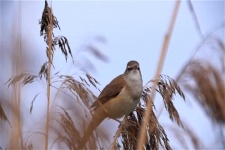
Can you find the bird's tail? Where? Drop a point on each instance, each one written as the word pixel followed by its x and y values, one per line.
pixel 97 118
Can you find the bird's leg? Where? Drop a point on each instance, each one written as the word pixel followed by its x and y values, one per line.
pixel 118 132
pixel 121 122
pixel 117 120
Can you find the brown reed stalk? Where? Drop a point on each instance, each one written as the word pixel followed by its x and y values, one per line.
pixel 207 37
pixel 49 34
pixel 113 146
pixel 47 22
pixel 192 10
pixel 142 134
pixel 20 51
pixel 16 134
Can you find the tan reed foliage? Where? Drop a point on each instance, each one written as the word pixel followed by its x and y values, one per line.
pixel 3 117
pixel 63 126
pixel 142 133
pixel 207 86
pixel 155 134
pixel 204 80
pixel 73 88
pixel 67 110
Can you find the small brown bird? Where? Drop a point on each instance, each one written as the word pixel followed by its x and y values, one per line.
pixel 120 97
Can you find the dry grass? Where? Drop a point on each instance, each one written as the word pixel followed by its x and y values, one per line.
pixel 207 86
pixel 207 83
pixel 67 109
pixel 155 134
pixel 71 88
pixel 142 136
pixel 204 80
pixel 3 116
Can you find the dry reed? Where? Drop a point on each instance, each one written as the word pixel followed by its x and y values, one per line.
pixel 155 133
pixel 65 123
pixel 158 71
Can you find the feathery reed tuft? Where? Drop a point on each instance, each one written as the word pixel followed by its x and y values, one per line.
pixel 45 21
pixel 207 86
pixel 25 77
pixel 3 116
pixel 155 133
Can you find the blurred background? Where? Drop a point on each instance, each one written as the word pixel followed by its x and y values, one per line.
pixel 118 31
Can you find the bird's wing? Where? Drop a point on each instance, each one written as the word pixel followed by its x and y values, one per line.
pixel 110 91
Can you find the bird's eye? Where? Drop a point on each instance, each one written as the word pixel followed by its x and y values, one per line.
pixel 129 69
pixel 138 68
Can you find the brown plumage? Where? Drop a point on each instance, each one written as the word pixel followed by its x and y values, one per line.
pixel 118 98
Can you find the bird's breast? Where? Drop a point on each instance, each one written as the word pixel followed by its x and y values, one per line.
pixel 135 86
pixel 127 100
pixel 121 105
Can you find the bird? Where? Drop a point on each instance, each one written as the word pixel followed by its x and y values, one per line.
pixel 119 98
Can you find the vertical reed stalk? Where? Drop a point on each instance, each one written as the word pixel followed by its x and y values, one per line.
pixel 142 134
pixel 49 75
pixel 18 67
pixel 16 134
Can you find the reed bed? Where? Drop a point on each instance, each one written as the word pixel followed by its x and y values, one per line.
pixel 68 97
